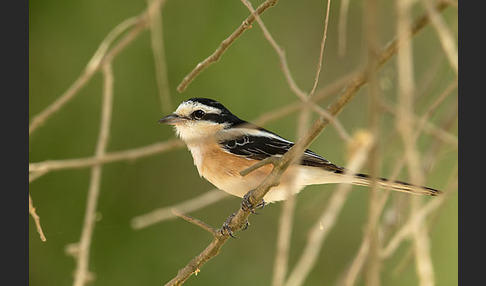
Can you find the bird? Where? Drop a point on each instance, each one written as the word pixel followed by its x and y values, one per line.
pixel 222 145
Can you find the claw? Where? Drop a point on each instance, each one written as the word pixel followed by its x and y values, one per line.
pixel 226 228
pixel 247 205
pixel 247 224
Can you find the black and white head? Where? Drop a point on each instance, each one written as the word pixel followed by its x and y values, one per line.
pixel 199 118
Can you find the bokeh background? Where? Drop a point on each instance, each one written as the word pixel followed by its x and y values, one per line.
pixel 63 35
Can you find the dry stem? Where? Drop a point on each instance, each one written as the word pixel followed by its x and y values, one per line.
pixel 188 206
pixel 36 219
pixel 82 274
pixel 41 168
pixel 216 55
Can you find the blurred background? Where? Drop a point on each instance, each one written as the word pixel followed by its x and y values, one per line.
pixel 64 35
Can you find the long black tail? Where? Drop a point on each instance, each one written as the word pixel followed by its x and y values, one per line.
pixel 365 180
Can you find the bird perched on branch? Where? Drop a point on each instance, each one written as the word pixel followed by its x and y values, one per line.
pixel 222 145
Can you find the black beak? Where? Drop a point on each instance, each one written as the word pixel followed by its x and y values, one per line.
pixel 171 119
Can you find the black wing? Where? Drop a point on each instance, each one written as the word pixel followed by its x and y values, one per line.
pixel 260 147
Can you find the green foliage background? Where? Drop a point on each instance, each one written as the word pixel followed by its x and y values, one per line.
pixel 63 35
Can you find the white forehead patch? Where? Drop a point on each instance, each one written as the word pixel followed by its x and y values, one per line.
pixel 187 107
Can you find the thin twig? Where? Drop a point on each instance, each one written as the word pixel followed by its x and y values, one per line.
pixel 445 36
pixel 158 51
pixel 38 169
pixel 92 66
pixel 280 52
pixel 321 52
pixel 36 219
pixel 371 27
pixel 216 55
pixel 82 274
pixel 195 221
pixel 406 84
pixel 342 27
pixel 270 160
pixel 282 248
pixel 188 206
pixel 427 126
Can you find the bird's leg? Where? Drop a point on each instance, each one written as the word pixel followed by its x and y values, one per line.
pixel 246 204
pixel 226 226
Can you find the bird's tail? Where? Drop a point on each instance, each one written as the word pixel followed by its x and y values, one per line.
pixel 365 180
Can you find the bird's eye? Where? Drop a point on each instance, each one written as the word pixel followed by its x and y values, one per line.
pixel 198 114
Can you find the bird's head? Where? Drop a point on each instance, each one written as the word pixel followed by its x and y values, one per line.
pixel 200 119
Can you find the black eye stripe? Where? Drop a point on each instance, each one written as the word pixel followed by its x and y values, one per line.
pixel 213 117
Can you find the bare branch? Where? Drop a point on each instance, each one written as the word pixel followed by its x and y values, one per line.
pixel 321 52
pixel 216 55
pixel 281 54
pixel 195 221
pixel 83 248
pixel 36 219
pixel 342 27
pixel 188 206
pixel 444 34
pixel 156 33
pixel 41 168
pixel 92 66
pixel 259 164
pixel 406 84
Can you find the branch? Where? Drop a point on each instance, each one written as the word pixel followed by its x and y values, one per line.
pixel 445 36
pixel 158 51
pixel 41 168
pixel 281 55
pixel 166 213
pixel 216 55
pixel 195 221
pixel 81 273
pixel 36 219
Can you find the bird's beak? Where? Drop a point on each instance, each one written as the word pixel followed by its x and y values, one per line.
pixel 172 119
